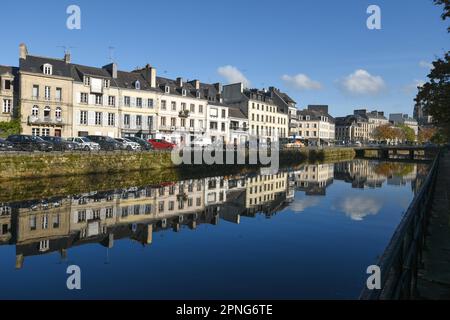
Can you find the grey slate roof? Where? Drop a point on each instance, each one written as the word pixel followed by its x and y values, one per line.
pixel 236 113
pixel 34 64
pixel 8 69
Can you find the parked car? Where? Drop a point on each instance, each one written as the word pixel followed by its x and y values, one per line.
pixel 85 144
pixel 106 143
pixel 159 144
pixel 6 145
pixel 144 144
pixel 60 144
pixel 29 143
pixel 201 142
pixel 128 144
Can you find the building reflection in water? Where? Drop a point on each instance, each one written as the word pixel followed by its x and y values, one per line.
pixel 57 224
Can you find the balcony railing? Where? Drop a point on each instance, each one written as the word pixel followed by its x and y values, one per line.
pixel 234 128
pixel 45 120
pixel 184 114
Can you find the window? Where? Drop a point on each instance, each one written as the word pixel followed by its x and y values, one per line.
pixel 150 122
pixel 87 81
pixel 35 111
pixel 98 99
pixel 223 127
pixel 127 101
pixel 138 121
pixel 224 114
pixel 139 102
pixel 150 103
pixel 173 122
pixel 213 126
pixel 137 85
pixel 33 223
pixel 84 98
pixel 111 119
pixel 200 124
pixel 47 69
pixel 197 94
pixel 44 245
pixel 47 111
pixel 47 93
pixel 106 83
pixel 163 121
pixel 6 106
pixel 81 216
pixel 214 113
pixel 163 104
pixel 35 91
pixel 167 89
pixel 45 132
pixel 183 123
pixel 126 119
pixel 98 118
pixel 58 113
pixel 192 123
pixel 200 109
pixel 7 85
pixel 44 222
pixel 58 94
pixel 192 108
pixel 112 101
pixel 83 117
pixel 174 106
pixel 183 92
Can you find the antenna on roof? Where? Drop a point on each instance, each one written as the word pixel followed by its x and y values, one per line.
pixel 66 49
pixel 111 54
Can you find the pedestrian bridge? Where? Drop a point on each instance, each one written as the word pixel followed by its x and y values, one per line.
pixel 398 152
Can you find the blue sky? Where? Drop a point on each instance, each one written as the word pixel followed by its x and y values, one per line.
pixel 312 50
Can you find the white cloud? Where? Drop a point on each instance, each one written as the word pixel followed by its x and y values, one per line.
pixel 359 207
pixel 362 82
pixel 412 87
pixel 233 75
pixel 424 64
pixel 300 205
pixel 301 82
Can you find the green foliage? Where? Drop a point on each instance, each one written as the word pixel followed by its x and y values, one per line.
pixel 9 128
pixel 440 137
pixel 407 133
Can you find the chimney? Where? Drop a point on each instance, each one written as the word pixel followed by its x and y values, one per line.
pixel 196 84
pixel 67 57
pixel 112 69
pixel 23 51
pixel 179 82
pixel 218 87
pixel 149 74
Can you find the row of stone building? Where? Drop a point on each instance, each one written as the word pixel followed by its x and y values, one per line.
pixel 59 98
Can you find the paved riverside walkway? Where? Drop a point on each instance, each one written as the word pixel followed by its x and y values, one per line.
pixel 434 277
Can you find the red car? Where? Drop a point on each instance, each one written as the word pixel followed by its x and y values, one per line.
pixel 159 144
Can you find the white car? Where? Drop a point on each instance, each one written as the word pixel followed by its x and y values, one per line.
pixel 128 144
pixel 201 142
pixel 85 144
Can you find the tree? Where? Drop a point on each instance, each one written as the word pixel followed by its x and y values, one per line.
pixel 426 134
pixel 9 128
pixel 406 133
pixel 446 14
pixel 387 132
pixel 434 96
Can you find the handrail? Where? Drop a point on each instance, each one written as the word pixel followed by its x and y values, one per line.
pixel 400 260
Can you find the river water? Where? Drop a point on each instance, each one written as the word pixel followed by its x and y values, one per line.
pixel 302 233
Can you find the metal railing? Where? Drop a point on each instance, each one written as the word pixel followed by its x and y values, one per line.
pixel 401 259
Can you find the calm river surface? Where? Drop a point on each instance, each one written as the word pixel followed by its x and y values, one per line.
pixel 309 232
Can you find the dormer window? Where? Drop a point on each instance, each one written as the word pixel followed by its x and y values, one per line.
pixel 167 89
pixel 106 83
pixel 47 69
pixel 197 94
pixel 137 85
pixel 183 92
pixel 87 81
